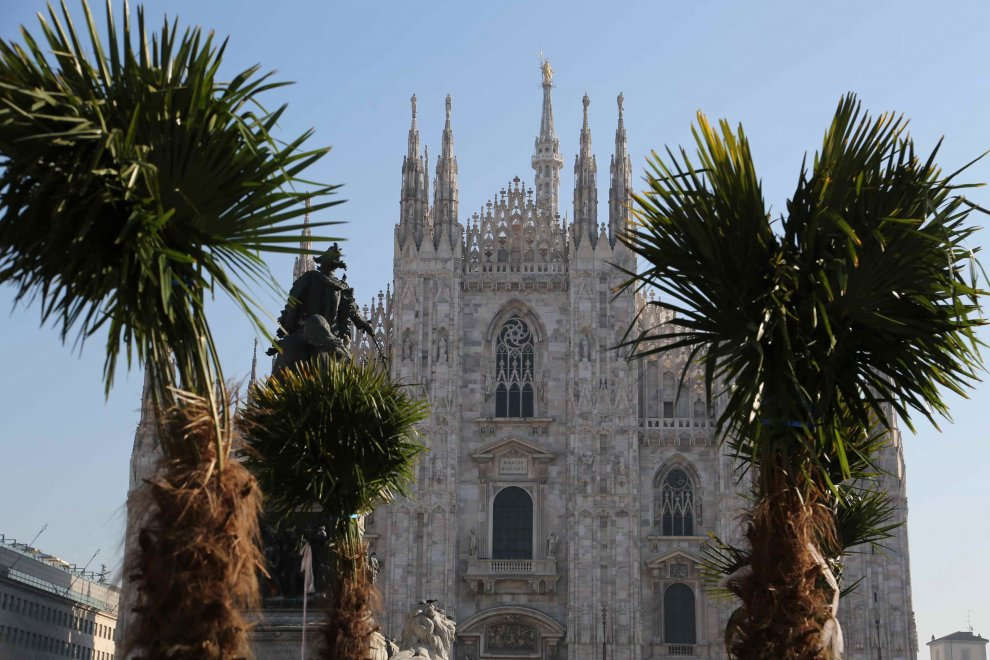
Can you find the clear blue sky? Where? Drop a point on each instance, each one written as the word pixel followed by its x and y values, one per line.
pixel 777 67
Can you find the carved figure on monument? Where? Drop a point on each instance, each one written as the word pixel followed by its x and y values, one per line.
pixel 319 315
pixel 511 638
pixel 552 541
pixel 437 469
pixel 472 544
pixel 428 634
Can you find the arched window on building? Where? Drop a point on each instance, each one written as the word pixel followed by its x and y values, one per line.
pixel 676 505
pixel 512 524
pixel 700 412
pixel 514 369
pixel 678 615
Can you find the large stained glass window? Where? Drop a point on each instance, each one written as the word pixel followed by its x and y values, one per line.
pixel 676 508
pixel 514 370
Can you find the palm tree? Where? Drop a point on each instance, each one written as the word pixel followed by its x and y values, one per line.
pixel 340 436
pixel 862 518
pixel 133 183
pixel 858 305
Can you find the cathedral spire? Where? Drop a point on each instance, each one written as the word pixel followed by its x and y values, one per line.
pixel 585 185
pixel 620 190
pixel 547 160
pixel 254 366
pixel 413 200
pixel 304 261
pixel 445 189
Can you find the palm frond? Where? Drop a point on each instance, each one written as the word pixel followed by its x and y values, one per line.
pixel 134 184
pixel 331 433
pixel 862 308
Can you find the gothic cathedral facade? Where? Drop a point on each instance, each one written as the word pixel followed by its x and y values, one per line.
pixel 566 494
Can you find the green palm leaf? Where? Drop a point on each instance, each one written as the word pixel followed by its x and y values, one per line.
pixel 858 306
pixel 331 433
pixel 134 184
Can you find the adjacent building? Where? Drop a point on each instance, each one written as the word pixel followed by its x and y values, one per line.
pixel 52 609
pixel 567 493
pixel 962 645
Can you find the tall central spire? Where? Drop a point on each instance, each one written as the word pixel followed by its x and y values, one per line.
pixel 585 185
pixel 547 160
pixel 445 189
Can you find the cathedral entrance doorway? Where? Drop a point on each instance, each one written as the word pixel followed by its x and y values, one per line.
pixel 509 632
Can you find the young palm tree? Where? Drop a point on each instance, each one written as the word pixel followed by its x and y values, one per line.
pixel 339 436
pixel 133 183
pixel 859 305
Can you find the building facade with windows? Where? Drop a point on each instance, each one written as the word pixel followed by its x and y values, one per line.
pixel 50 609
pixel 563 503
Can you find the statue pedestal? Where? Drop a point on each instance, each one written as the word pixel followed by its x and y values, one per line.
pixel 277 634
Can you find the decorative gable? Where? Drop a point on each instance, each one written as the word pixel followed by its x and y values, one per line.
pixel 675 565
pixel 513 460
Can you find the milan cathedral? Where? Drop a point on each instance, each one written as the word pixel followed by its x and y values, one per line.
pixel 562 506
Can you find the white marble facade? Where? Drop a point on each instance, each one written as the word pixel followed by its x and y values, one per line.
pixel 607 479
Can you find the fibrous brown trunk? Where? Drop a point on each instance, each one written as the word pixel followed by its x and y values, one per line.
pixel 351 603
pixel 784 601
pixel 198 553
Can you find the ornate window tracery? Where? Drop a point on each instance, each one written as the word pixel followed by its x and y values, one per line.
pixel 514 357
pixel 676 510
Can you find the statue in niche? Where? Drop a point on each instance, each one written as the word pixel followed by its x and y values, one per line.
pixel 472 544
pixel 552 541
pixel 442 346
pixel 320 315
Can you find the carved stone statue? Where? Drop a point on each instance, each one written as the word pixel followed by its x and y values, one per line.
pixel 428 634
pixel 375 566
pixel 552 541
pixel 320 315
pixel 472 544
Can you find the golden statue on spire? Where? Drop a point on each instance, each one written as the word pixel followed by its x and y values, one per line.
pixel 547 71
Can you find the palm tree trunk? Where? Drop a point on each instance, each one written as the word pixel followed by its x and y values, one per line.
pixel 352 600
pixel 196 558
pixel 785 604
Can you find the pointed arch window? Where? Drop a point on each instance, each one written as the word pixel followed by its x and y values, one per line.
pixel 514 349
pixel 676 506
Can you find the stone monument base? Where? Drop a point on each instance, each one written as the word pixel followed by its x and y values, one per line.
pixel 277 632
